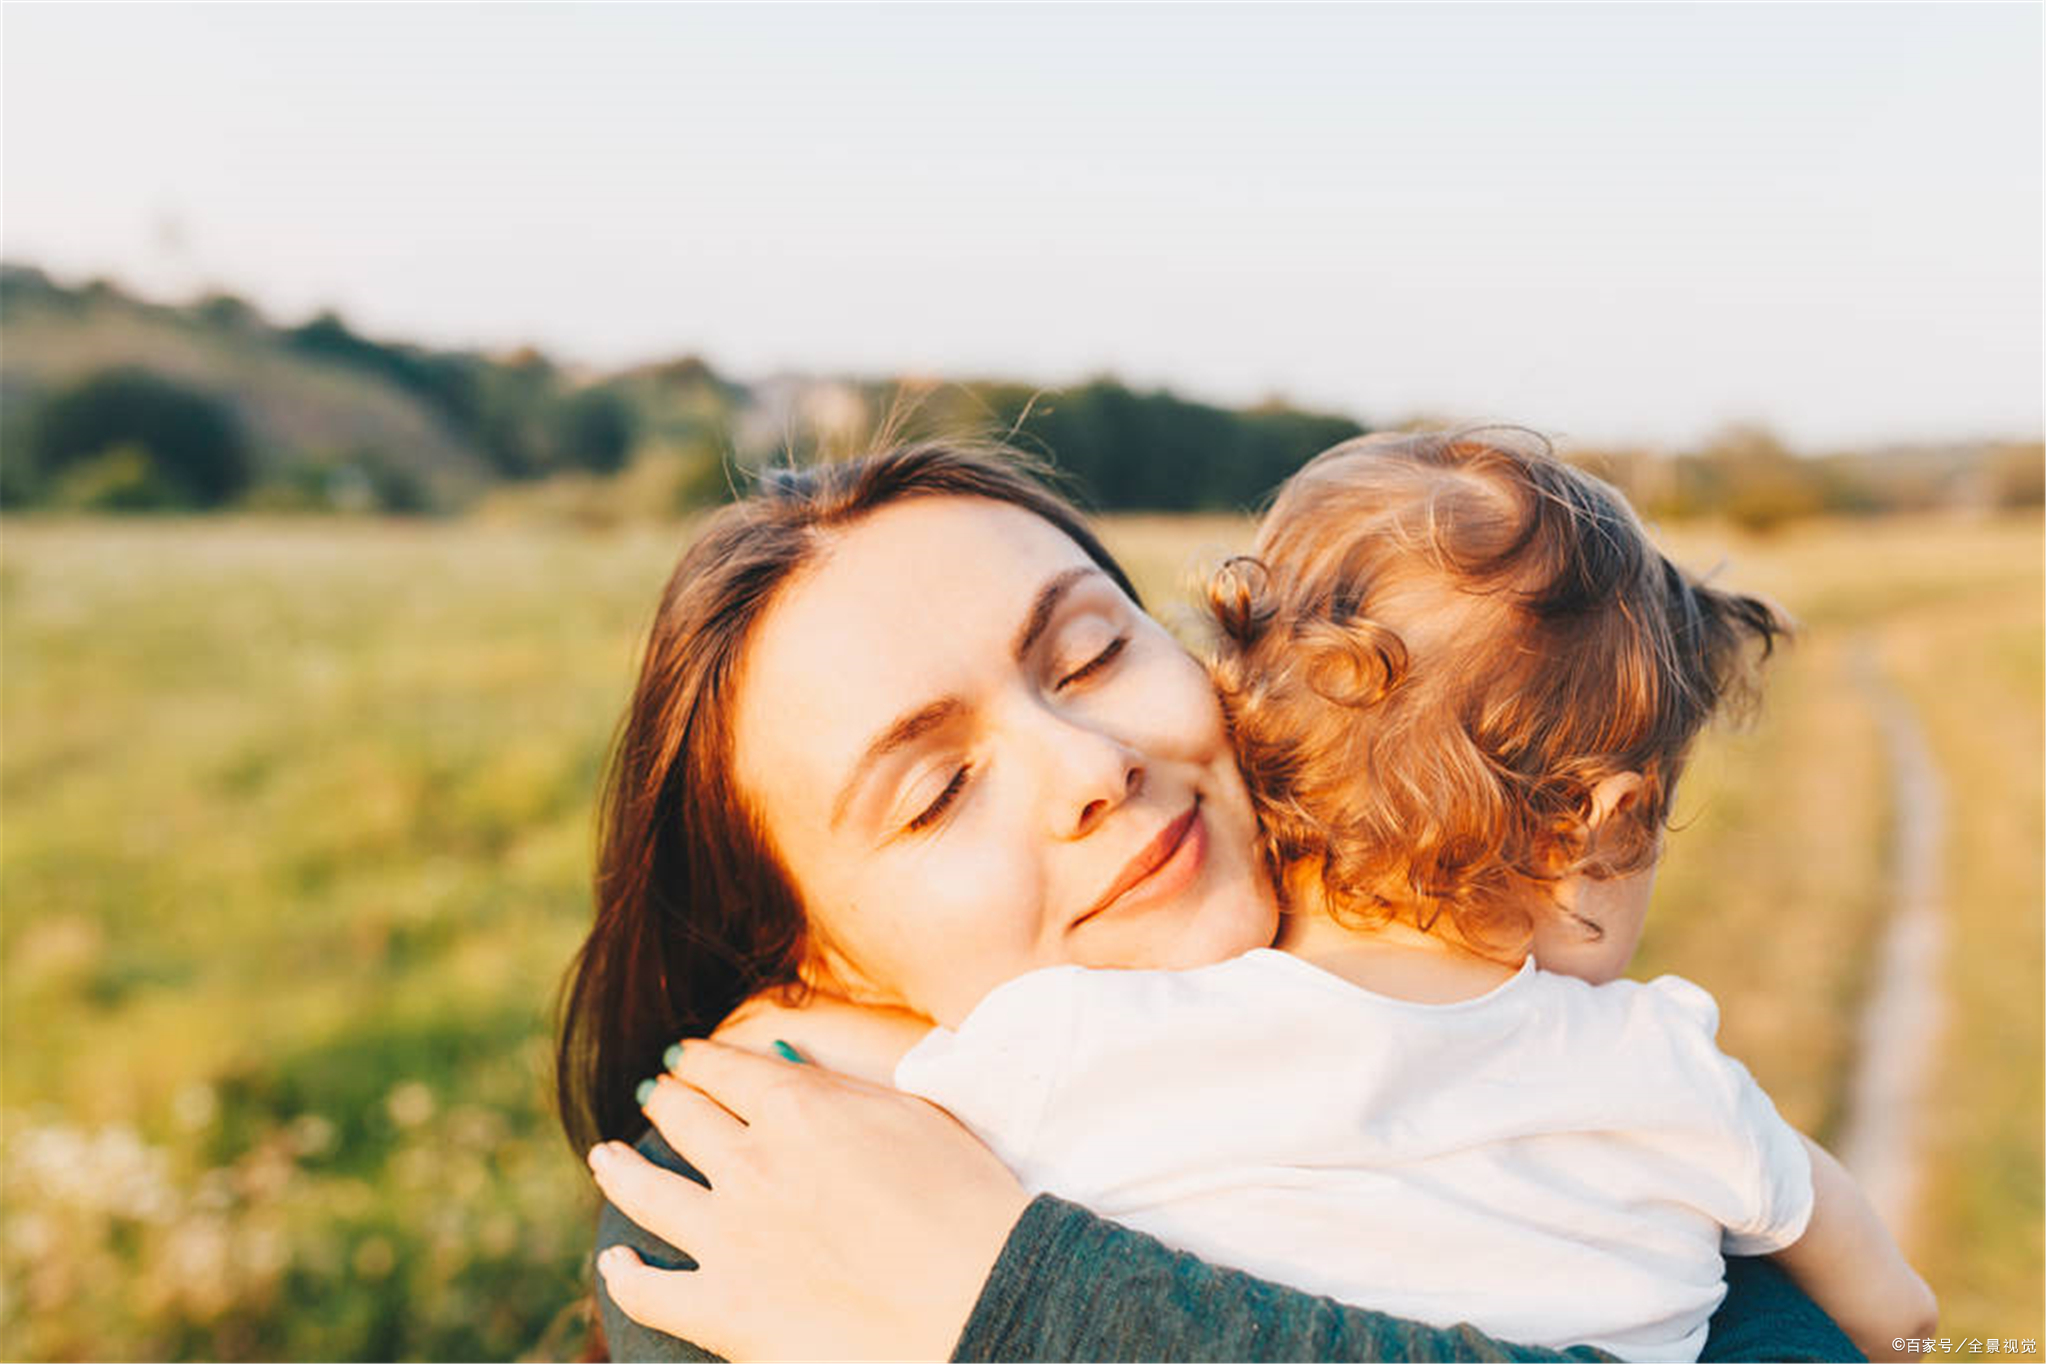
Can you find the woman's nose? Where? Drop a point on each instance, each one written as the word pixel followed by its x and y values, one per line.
pixel 1100 807
pixel 1089 775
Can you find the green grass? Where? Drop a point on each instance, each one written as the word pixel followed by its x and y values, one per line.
pixel 1975 672
pixel 296 840
pixel 1773 898
pixel 297 819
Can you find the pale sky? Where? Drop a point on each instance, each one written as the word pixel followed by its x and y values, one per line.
pixel 1609 222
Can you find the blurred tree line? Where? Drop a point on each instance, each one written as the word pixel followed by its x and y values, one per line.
pixel 1149 451
pixel 1743 474
pixel 110 403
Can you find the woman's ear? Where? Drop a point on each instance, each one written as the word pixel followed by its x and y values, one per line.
pixel 1614 794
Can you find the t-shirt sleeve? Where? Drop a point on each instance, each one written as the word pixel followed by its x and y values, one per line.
pixel 1783 1179
pixel 1772 1183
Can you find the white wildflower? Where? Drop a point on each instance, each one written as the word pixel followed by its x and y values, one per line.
pixel 410 1104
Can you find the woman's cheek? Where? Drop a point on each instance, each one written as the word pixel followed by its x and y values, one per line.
pixel 1175 705
pixel 969 918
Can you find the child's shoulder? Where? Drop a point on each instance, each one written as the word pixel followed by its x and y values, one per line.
pixel 1656 1038
pixel 1694 1001
pixel 1670 1000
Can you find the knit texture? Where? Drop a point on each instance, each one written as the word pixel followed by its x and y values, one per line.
pixel 1069 1285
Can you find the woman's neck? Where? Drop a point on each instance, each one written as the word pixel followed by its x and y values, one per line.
pixel 1394 959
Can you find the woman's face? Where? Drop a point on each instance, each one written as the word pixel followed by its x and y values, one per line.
pixel 976 757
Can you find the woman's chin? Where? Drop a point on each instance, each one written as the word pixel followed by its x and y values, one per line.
pixel 1206 932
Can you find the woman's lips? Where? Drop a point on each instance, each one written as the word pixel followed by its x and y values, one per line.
pixel 1161 869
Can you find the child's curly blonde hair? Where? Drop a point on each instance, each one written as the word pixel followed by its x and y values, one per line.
pixel 1442 645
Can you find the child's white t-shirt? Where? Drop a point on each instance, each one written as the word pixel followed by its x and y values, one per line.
pixel 1556 1163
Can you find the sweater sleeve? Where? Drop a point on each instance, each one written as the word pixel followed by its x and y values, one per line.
pixel 1766 1316
pixel 1071 1285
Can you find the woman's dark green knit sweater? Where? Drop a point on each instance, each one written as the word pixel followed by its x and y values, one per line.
pixel 1070 1285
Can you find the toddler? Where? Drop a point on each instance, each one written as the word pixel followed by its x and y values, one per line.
pixel 1463 684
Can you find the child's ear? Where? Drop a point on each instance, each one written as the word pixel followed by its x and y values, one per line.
pixel 1614 794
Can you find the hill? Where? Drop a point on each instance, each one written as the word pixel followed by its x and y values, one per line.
pixel 109 402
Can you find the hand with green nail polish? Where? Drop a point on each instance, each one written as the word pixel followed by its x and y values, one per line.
pixel 832 1034
pixel 776 1141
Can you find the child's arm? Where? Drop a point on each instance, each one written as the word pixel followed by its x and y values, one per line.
pixel 1848 1263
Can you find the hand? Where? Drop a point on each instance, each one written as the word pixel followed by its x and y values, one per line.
pixel 844 1220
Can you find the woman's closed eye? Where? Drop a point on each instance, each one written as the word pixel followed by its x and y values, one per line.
pixel 949 796
pixel 1094 664
pixel 935 811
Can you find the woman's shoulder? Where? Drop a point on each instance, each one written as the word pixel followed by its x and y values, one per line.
pixel 863 1041
pixel 624 1338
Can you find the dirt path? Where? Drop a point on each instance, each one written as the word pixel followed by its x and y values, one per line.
pixel 1889 1095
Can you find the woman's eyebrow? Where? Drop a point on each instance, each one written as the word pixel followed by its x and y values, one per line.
pixel 1047 601
pixel 906 730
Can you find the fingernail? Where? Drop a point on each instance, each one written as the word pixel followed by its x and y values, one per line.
pixel 643 1093
pixel 613 1258
pixel 600 1155
pixel 788 1053
pixel 672 1057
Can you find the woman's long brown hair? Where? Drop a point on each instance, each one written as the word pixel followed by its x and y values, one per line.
pixel 694 914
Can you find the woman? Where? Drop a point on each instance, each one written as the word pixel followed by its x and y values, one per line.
pixel 902 731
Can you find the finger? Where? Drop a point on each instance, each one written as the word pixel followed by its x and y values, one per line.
pixel 668 1300
pixel 740 1080
pixel 695 1125
pixel 676 1209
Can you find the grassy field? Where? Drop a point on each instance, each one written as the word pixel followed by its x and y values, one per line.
pixel 1771 897
pixel 297 825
